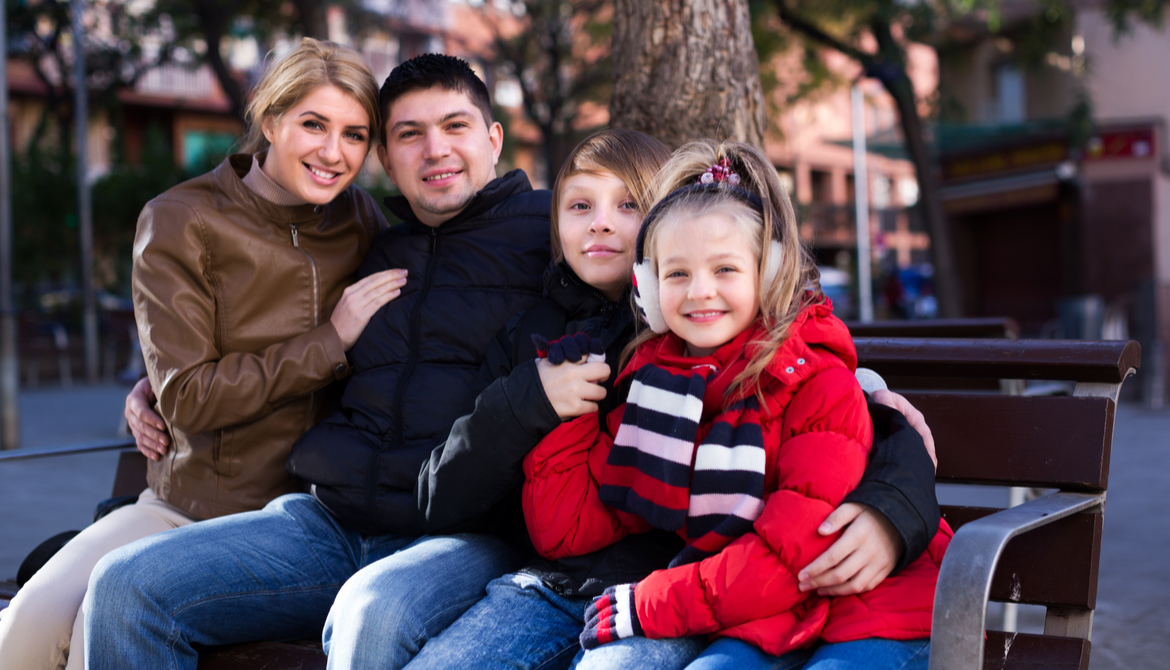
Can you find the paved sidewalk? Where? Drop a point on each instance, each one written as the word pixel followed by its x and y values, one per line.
pixel 1132 629
pixel 42 497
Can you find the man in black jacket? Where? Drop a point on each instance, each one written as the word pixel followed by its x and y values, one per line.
pixel 475 247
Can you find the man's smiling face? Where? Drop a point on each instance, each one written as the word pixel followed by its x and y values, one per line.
pixel 439 151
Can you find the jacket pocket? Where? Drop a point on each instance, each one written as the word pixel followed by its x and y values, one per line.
pixel 223 454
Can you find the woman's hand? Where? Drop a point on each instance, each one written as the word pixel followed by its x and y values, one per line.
pixel 147 427
pixel 860 559
pixel 360 301
pixel 573 388
pixel 913 417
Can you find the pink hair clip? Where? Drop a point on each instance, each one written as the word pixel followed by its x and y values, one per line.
pixel 718 172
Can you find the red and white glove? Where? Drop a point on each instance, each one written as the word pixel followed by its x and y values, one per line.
pixel 610 617
pixel 571 348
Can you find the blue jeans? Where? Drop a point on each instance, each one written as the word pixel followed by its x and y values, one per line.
pixel 272 575
pixel 871 654
pixel 523 624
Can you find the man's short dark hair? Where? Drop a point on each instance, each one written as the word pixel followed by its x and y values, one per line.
pixel 429 70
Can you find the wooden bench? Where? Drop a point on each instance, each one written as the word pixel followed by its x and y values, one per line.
pixel 1044 552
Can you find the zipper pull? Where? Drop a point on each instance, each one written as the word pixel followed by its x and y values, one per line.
pixel 293 228
pixel 434 240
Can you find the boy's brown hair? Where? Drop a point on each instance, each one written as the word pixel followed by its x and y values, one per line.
pixel 631 156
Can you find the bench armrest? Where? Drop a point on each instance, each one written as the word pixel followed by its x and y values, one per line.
pixel 964 582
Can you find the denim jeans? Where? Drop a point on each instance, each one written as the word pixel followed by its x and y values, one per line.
pixel 272 574
pixel 870 654
pixel 523 624
pixel 386 612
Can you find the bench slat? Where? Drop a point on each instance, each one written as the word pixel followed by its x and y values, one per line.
pixel 1055 565
pixel 1074 360
pixel 130 477
pixel 982 327
pixel 1021 651
pixel 1047 442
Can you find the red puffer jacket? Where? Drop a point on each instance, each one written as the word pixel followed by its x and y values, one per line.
pixel 817 434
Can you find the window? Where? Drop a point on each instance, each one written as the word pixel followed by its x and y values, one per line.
pixel 1009 94
pixel 822 188
pixel 204 149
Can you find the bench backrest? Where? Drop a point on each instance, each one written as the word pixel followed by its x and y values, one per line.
pixel 967 329
pixel 983 327
pixel 1060 443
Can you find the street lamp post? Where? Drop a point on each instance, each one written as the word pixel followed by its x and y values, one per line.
pixel 861 201
pixel 85 209
pixel 9 373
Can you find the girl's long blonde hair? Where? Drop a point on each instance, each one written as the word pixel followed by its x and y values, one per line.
pixel 311 65
pixel 796 284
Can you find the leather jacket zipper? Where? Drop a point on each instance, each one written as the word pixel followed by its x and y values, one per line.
pixel 316 306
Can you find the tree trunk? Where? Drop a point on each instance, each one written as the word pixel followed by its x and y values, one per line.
pixel 686 69
pixel 312 15
pixel 213 17
pixel 946 271
pixel 888 65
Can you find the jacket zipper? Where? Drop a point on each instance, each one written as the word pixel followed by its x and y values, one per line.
pixel 316 308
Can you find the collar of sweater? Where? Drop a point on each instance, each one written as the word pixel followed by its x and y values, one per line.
pixel 262 185
pixel 230 177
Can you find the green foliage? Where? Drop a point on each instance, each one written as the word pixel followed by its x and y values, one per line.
pixel 44 195
pixel 1122 14
pixel 44 204
pixel 775 40
pixel 119 196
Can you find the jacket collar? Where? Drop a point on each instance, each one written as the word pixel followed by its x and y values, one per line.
pixel 230 176
pixel 566 289
pixel 496 191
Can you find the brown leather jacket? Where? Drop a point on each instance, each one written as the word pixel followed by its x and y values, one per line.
pixel 233 295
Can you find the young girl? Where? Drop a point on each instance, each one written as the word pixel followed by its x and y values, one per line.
pixel 743 428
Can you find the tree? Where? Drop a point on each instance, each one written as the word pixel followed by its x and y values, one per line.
pixel 41 34
pixel 203 28
pixel 881 20
pixel 685 69
pixel 843 25
pixel 558 53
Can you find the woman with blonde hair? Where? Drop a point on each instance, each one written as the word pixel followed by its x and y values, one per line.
pixel 240 292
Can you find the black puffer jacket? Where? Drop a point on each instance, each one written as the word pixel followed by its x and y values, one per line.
pixel 416 366
pixel 473 481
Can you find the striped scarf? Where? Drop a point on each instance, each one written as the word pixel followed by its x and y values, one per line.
pixel 649 470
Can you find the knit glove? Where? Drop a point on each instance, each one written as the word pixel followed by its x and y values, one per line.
pixel 610 617
pixel 570 348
